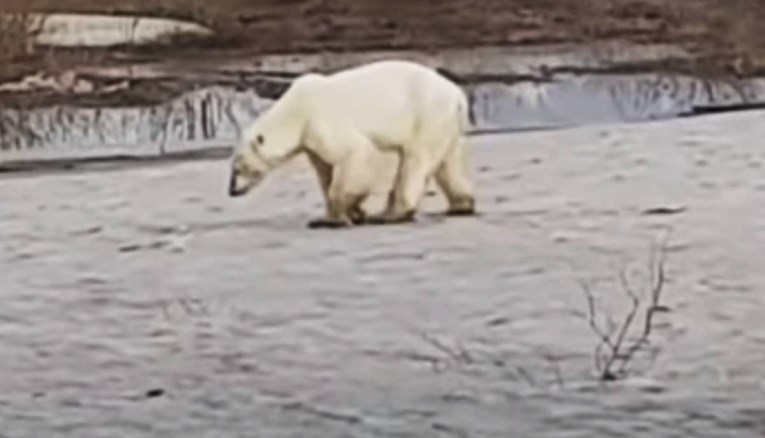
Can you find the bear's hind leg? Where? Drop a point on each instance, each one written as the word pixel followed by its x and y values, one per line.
pixel 452 177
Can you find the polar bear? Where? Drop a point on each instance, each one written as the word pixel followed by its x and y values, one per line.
pixel 345 120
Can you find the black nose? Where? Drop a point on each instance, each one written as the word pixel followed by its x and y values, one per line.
pixel 232 189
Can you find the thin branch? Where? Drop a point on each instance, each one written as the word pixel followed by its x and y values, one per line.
pixel 592 315
pixel 605 339
pixel 459 354
pixel 619 351
pixel 633 311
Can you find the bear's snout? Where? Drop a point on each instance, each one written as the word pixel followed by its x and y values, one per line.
pixel 240 184
pixel 233 188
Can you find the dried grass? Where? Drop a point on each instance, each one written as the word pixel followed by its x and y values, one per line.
pixel 16 33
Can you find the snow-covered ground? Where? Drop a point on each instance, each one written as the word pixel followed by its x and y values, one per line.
pixel 145 303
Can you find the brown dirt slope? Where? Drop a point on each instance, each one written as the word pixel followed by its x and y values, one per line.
pixel 723 33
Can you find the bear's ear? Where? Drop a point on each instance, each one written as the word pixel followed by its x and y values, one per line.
pixel 259 140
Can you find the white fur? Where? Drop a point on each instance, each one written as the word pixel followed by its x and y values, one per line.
pixel 344 121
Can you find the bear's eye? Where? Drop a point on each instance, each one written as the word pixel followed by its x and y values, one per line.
pixel 260 139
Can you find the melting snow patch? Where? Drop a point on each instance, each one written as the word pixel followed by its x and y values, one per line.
pixel 86 30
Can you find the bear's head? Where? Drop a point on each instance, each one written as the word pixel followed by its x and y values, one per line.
pixel 271 141
pixel 248 168
pixel 275 137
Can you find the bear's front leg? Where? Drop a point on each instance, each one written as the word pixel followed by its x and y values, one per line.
pixel 325 222
pixel 337 215
pixel 344 199
pixel 357 215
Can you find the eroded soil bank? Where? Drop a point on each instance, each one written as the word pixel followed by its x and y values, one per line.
pixel 706 37
pixel 723 35
pixel 516 57
pixel 208 121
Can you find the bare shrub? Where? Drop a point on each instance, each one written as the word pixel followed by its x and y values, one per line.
pixel 618 344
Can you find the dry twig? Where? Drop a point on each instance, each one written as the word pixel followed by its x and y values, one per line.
pixel 615 351
pixel 458 353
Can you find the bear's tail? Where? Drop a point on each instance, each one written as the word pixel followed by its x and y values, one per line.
pixel 468 112
pixel 465 114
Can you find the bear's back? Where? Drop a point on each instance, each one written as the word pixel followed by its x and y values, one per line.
pixel 387 100
pixel 394 83
pixel 392 70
